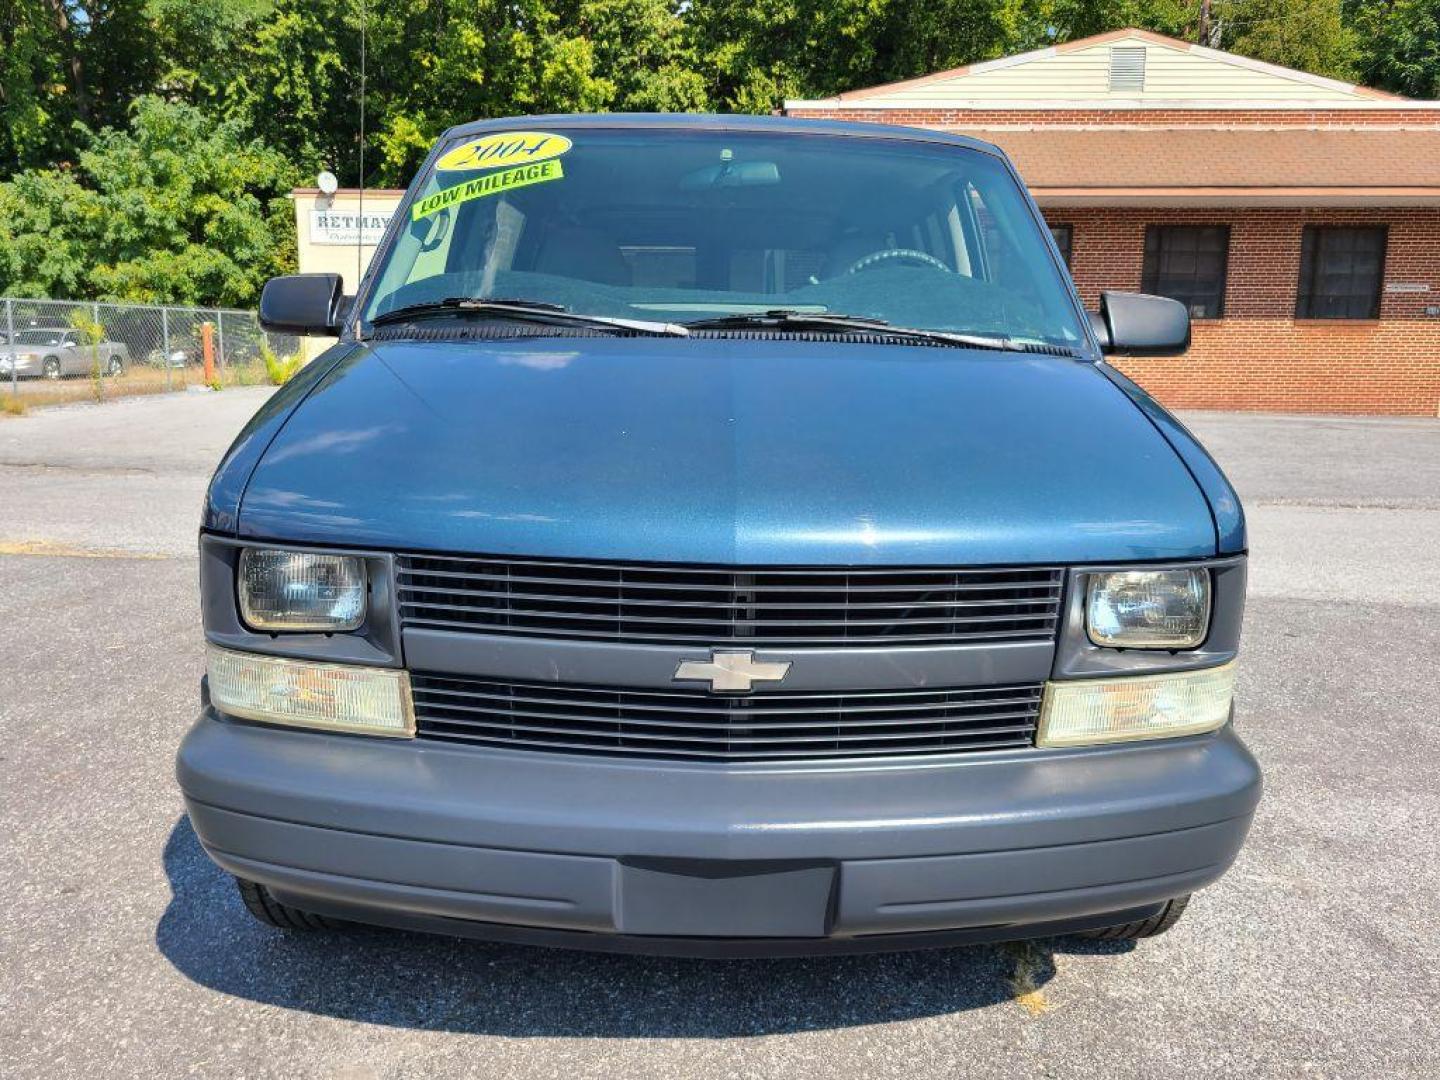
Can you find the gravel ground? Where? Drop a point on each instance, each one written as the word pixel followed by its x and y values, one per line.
pixel 124 952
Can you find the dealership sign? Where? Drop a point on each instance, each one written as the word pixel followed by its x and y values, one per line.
pixel 344 228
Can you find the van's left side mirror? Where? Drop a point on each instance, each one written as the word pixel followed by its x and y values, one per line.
pixel 1136 324
pixel 303 304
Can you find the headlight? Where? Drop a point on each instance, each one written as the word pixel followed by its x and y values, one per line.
pixel 1148 609
pixel 301 590
pixel 301 693
pixel 1083 712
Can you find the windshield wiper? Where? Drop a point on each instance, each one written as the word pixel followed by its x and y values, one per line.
pixel 789 319
pixel 785 319
pixel 536 311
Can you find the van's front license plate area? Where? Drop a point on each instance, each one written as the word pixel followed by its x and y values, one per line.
pixel 716 898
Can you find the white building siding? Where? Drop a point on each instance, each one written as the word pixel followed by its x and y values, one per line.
pixel 1171 73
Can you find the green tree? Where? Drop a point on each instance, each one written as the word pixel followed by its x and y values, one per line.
pixel 1081 18
pixel 289 72
pixel 63 61
pixel 32 102
pixel 758 54
pixel 176 209
pixel 1400 48
pixel 45 220
pixel 198 43
pixel 1309 35
pixel 435 63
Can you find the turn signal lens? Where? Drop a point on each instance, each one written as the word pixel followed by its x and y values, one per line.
pixel 301 590
pixel 1084 712
pixel 1149 609
pixel 335 697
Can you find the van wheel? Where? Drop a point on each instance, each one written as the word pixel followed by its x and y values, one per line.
pixel 52 367
pixel 271 912
pixel 116 367
pixel 1157 924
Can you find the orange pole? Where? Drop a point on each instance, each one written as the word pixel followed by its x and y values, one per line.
pixel 207 347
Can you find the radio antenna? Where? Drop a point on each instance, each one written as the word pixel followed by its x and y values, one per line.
pixel 360 214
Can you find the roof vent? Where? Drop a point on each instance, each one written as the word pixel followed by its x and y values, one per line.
pixel 1127 68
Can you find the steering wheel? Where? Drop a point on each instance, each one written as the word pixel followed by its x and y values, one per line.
pixel 875 258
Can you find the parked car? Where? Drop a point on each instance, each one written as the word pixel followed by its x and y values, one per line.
pixel 176 358
pixel 55 352
pixel 720 536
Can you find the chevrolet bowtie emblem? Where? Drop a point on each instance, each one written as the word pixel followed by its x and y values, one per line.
pixel 731 671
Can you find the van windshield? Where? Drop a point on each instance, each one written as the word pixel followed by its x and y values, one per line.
pixel 694 225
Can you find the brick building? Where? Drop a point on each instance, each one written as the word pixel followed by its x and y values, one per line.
pixel 1298 216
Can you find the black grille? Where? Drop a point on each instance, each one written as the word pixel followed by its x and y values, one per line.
pixel 714 605
pixel 708 727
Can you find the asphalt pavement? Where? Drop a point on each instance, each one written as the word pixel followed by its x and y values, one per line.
pixel 125 953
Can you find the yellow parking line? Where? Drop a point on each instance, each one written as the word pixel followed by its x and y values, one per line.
pixel 55 549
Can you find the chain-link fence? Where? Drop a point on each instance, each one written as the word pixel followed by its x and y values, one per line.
pixel 62 350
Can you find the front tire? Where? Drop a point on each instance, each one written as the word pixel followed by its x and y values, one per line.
pixel 1154 926
pixel 259 901
pixel 51 370
pixel 115 368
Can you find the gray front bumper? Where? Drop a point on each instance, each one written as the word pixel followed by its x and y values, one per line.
pixel 595 849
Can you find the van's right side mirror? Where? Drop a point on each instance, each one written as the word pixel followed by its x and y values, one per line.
pixel 1136 324
pixel 303 304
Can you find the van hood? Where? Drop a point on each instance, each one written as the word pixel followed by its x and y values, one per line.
pixel 730 450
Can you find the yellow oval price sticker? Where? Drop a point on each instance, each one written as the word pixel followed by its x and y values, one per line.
pixel 504 148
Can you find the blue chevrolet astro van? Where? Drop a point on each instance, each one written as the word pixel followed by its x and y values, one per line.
pixel 719 536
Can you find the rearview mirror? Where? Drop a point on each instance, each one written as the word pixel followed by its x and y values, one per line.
pixel 302 304
pixel 732 175
pixel 1141 325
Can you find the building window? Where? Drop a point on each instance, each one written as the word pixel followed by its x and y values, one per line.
pixel 1187 263
pixel 1064 237
pixel 1341 271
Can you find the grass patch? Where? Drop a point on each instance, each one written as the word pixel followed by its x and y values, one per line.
pixel 251 374
pixel 1032 970
pixel 137 381
pixel 280 369
pixel 37 393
